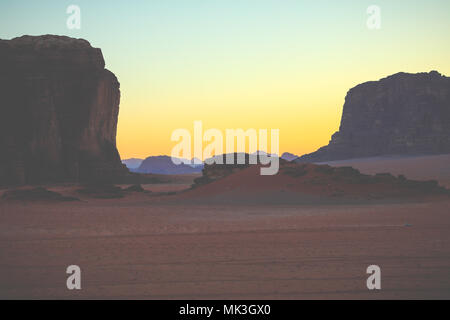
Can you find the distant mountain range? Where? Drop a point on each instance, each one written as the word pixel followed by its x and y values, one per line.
pixel 288 156
pixel 132 163
pixel 403 114
pixel 163 165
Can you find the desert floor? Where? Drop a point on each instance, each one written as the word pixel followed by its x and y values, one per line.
pixel 140 247
pixel 132 248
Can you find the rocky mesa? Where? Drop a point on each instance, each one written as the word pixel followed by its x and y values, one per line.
pixel 403 114
pixel 58 112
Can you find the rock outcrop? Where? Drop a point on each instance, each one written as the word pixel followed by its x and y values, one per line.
pixel 165 165
pixel 219 169
pixel 404 114
pixel 58 112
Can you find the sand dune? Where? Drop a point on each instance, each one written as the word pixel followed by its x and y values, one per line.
pixel 308 184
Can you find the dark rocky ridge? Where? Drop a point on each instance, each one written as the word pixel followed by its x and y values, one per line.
pixel 213 171
pixel 404 114
pixel 164 165
pixel 58 112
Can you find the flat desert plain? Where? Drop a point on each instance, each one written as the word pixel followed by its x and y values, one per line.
pixel 150 247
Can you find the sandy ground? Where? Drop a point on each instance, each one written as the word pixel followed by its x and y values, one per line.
pixel 136 248
pixel 142 247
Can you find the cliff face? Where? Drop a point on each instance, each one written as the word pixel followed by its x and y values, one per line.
pixel 401 114
pixel 58 112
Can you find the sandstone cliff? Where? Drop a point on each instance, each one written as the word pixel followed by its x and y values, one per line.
pixel 401 114
pixel 58 112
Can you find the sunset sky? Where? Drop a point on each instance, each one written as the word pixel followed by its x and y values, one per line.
pixel 262 64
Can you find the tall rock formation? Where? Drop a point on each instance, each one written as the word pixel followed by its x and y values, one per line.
pixel 403 114
pixel 58 112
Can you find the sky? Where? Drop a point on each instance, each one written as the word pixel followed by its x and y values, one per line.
pixel 261 64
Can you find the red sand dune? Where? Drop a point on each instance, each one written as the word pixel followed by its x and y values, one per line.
pixel 303 182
